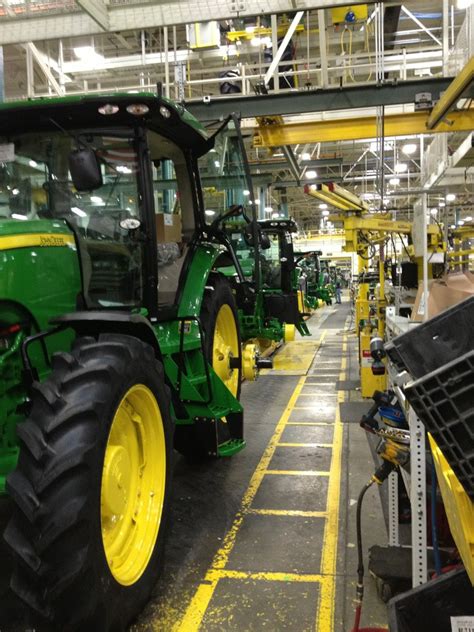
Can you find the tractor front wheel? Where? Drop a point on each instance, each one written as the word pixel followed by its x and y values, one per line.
pixel 221 327
pixel 92 484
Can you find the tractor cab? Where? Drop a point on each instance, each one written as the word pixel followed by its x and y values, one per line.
pixel 278 270
pixel 308 272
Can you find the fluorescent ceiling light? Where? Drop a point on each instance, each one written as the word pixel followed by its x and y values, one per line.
pixel 96 199
pixel 453 226
pixel 123 169
pixel 401 167
pixel 33 163
pixel 268 209
pixel 18 216
pixel 323 206
pixel 434 211
pixel 460 222
pixel 88 54
pixel 209 212
pixel 310 174
pixel 450 197
pixel 250 29
pixel 246 192
pixel 15 191
pixel 78 211
pixel 394 181
pixel 325 213
pixel 468 219
pixel 305 156
pixel 257 202
pixel 409 148
pixel 255 41
pixel 442 204
pixel 278 154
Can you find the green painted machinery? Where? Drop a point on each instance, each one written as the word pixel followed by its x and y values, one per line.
pixel 314 278
pixel 263 273
pixel 119 340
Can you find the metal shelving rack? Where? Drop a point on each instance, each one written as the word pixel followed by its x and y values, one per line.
pixel 415 482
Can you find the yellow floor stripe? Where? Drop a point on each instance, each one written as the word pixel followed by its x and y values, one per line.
pixel 310 423
pixel 296 473
pixel 304 445
pixel 325 612
pixel 199 603
pixel 288 512
pixel 318 394
pixel 197 608
pixel 265 576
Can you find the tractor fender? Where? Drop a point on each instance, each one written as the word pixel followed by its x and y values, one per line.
pixel 92 323
pixel 205 259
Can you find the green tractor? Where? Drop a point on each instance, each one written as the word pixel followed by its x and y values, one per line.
pixel 314 278
pixel 263 277
pixel 307 277
pixel 119 340
pixel 266 299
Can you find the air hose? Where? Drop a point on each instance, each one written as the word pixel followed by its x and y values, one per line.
pixel 378 477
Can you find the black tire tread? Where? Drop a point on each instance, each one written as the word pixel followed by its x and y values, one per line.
pixel 49 487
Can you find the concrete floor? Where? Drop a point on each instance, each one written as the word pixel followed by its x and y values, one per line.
pixel 266 540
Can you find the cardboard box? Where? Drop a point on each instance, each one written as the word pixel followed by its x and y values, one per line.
pixel 443 293
pixel 168 227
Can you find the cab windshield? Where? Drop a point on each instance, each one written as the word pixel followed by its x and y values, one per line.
pixel 35 184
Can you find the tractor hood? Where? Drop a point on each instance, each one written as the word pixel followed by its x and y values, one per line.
pixel 110 111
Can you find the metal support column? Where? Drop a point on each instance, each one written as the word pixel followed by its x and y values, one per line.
pixel 30 75
pixel 2 76
pixel 393 531
pixel 445 36
pixel 274 23
pixel 279 53
pixel 424 209
pixel 323 48
pixel 418 499
pixel 167 62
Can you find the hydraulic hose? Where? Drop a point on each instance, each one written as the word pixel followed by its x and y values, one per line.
pixel 378 477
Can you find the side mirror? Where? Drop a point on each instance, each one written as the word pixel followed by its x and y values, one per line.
pixel 85 169
pixel 248 234
pixel 265 243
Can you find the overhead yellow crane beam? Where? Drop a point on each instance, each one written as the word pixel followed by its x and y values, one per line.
pixel 450 96
pixel 358 128
pixel 262 31
pixel 336 196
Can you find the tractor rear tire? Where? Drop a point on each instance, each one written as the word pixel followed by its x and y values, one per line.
pixel 92 486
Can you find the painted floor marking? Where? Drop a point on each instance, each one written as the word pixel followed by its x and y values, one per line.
pixel 287 512
pixel 325 612
pixel 304 445
pixel 197 608
pixel 266 576
pixel 310 423
pixel 296 473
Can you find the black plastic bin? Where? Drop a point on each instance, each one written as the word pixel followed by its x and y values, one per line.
pixel 444 401
pixel 436 342
pixel 429 607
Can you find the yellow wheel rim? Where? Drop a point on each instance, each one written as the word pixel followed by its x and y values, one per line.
pixel 289 332
pixel 225 347
pixel 133 485
pixel 249 362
